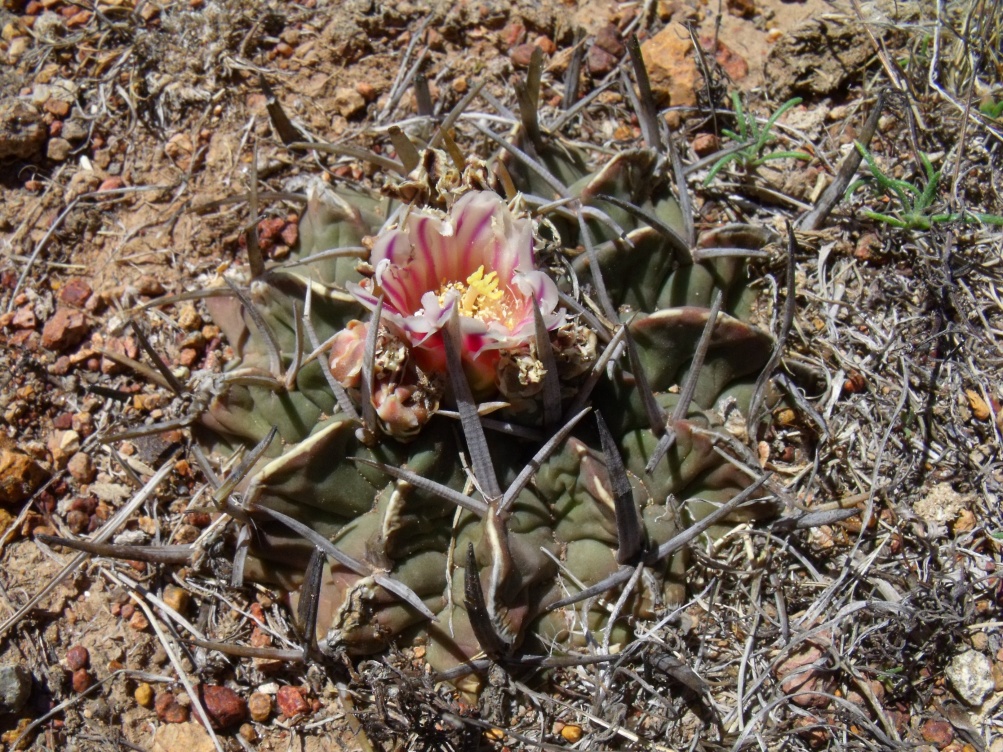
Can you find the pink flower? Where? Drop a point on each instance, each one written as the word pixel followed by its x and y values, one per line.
pixel 478 259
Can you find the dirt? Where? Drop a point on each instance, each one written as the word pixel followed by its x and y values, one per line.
pixel 124 130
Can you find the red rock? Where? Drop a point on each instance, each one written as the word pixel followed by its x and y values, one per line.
pixel 706 143
pixel 599 61
pixel 268 230
pixel 512 35
pixel 169 710
pixel 224 707
pixel 75 293
pixel 546 44
pixel 24 317
pixel 608 39
pixel 138 620
pixel 82 680
pixel 938 733
pixel 81 467
pixel 522 54
pixel 33 8
pixel 111 184
pixel 290 233
pixel 188 357
pixel 126 346
pixel 730 61
pixel 291 701
pixel 65 329
pixel 77 658
pixel 79 19
pixel 367 90
pixel 57 107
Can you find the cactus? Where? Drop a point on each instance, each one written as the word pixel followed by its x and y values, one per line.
pixel 484 394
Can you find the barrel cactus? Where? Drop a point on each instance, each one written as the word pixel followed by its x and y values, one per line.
pixel 492 389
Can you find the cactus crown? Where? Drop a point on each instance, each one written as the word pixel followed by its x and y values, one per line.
pixel 486 393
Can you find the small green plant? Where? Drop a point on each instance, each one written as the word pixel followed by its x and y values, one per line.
pixel 755 138
pixel 915 204
pixel 992 108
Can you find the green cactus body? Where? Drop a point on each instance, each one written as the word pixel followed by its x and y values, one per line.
pixel 560 532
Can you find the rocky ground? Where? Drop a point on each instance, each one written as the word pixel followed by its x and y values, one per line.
pixel 127 133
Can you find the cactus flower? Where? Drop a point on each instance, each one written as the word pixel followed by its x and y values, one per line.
pixel 478 260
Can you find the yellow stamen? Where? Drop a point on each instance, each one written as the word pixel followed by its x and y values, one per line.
pixel 480 297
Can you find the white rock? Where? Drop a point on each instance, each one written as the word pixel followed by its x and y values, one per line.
pixel 971 675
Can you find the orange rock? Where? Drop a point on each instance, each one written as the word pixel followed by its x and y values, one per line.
pixel 672 68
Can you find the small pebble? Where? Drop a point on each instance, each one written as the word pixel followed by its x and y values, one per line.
pixel 138 621
pixel 77 658
pixel 15 687
pixel 169 710
pixel 81 467
pixel 291 702
pixel 571 733
pixel 260 706
pixel 224 707
pixel 82 680
pixel 144 695
pixel 248 734
pixel 177 598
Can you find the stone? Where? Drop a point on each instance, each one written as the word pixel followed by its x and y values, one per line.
pixel 939 733
pixel 260 706
pixel 177 598
pixel 58 149
pixel 348 102
pixel 62 445
pixel 81 467
pixel 672 67
pixel 521 55
pixel 733 64
pixel 82 680
pixel 608 40
pixel 224 707
pixel 22 129
pixel 705 144
pixel 169 710
pixel 189 318
pixel 24 317
pixel 599 61
pixel 15 688
pixel 75 293
pixel 73 131
pixel 77 658
pixel 144 695
pixel 291 702
pixel 971 675
pixel 64 329
pixel 20 475
pixel 60 108
pixel 512 35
